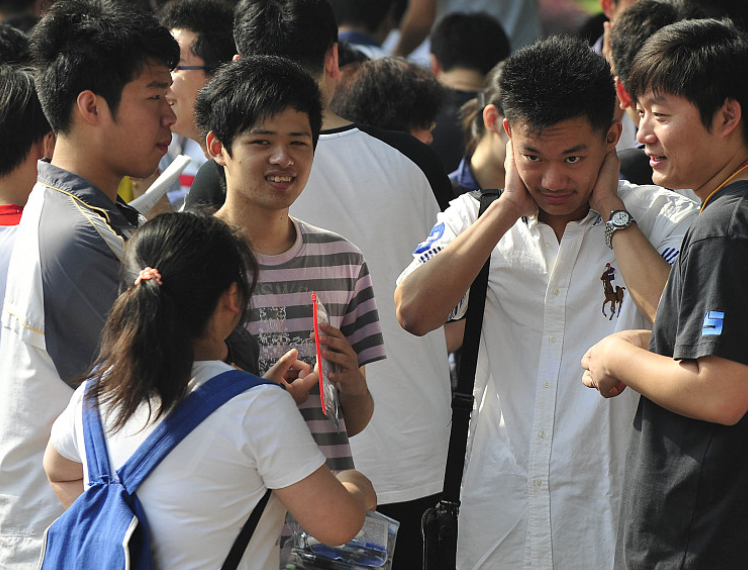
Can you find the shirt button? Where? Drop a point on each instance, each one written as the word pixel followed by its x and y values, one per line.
pixel 548 245
pixel 546 384
pixel 553 339
pixel 541 435
pixel 538 483
pixel 556 292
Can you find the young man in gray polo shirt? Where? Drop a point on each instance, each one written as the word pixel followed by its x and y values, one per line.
pixel 102 76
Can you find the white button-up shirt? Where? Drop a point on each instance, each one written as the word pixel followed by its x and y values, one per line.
pixel 545 457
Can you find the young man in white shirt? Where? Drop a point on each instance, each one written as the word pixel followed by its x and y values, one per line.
pixel 533 495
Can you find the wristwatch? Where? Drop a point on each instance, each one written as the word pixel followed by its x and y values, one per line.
pixel 619 220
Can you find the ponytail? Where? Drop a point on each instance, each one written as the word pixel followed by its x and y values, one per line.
pixel 471 113
pixel 147 343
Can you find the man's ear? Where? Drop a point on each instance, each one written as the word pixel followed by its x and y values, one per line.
pixel 436 69
pixel 607 8
pixel 492 119
pixel 613 134
pixel 215 148
pixel 91 107
pixel 623 95
pixel 236 57
pixel 507 129
pixel 728 117
pixel 332 62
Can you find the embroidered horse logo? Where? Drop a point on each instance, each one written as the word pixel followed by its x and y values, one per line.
pixel 612 296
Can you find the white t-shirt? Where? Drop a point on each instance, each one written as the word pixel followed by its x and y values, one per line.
pixel 201 495
pixel 545 458
pixel 380 198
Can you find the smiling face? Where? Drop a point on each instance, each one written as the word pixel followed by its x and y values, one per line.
pixel 560 165
pixel 187 82
pixel 139 133
pixel 269 165
pixel 676 141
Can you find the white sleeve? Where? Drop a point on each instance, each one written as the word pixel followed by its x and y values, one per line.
pixel 64 436
pixel 462 212
pixel 282 456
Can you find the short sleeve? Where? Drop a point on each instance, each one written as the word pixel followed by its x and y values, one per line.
pixel 712 307
pixel 64 435
pixel 461 213
pixel 282 456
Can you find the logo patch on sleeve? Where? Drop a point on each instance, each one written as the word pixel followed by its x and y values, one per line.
pixel 713 322
pixel 436 233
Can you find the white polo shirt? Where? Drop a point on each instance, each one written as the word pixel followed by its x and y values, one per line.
pixel 545 454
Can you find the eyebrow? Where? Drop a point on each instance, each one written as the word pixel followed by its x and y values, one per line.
pixel 159 85
pixel 572 150
pixel 268 132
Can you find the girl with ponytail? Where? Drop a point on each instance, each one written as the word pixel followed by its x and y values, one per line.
pixel 185 281
pixel 485 139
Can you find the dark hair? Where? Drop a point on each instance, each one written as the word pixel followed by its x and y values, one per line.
pixel 147 343
pixel 211 21
pixel 347 54
pixel 390 93
pixel 703 61
pixel 252 89
pixel 14 45
pixel 473 41
pixel 22 121
pixel 471 113
pixel 301 30
pixel 99 45
pixel 637 23
pixel 554 80
pixel 368 14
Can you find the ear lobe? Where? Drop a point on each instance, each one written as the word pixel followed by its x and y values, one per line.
pixel 90 106
pixel 613 134
pixel 232 299
pixel 729 116
pixel 215 148
pixel 435 67
pixel 491 117
pixel 507 129
pixel 332 62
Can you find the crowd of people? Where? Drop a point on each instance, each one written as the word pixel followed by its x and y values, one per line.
pixel 331 173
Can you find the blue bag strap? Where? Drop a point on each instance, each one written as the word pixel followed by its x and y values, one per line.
pixel 169 433
pixel 97 456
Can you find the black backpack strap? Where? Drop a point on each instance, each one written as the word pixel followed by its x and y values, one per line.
pixel 242 541
pixel 462 399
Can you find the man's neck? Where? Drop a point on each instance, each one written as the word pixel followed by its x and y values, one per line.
pixel 461 79
pixel 71 157
pixel 727 174
pixel 269 232
pixel 488 171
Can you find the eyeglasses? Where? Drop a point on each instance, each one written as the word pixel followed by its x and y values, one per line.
pixel 191 67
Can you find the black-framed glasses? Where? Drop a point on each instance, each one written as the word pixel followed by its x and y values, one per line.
pixel 191 67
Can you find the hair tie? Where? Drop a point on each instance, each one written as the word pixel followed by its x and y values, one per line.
pixel 147 274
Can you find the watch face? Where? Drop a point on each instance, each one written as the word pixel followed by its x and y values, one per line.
pixel 620 218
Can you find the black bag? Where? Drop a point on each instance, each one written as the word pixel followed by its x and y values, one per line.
pixel 439 523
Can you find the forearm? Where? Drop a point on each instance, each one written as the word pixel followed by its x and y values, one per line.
pixel 427 296
pixel 357 404
pixel 643 268
pixel 415 25
pixel 711 389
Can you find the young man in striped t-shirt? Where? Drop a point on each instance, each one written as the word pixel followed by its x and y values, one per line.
pixel 261 117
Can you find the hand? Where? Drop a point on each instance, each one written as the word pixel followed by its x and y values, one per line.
pixel 353 477
pixel 295 375
pixel 337 349
pixel 515 191
pixel 595 361
pixel 604 198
